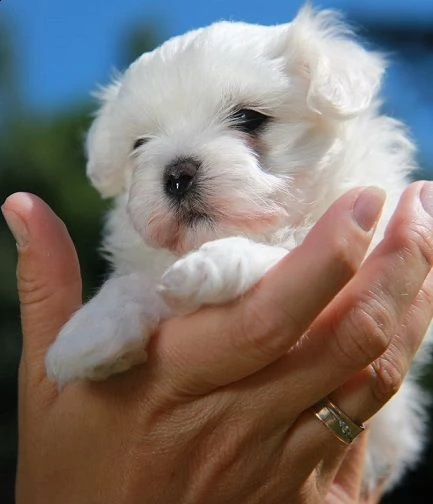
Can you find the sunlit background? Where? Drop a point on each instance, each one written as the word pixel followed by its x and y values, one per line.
pixel 53 53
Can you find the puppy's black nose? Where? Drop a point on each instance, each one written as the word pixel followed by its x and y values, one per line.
pixel 179 177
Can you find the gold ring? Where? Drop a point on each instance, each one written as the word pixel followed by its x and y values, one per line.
pixel 336 421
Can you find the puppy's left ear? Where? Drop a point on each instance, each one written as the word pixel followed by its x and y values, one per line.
pixel 343 77
pixel 104 156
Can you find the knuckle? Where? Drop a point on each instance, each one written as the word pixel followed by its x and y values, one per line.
pixel 426 294
pixel 364 333
pixel 32 291
pixel 262 335
pixel 416 240
pixel 388 375
pixel 254 329
pixel 343 257
pixel 423 306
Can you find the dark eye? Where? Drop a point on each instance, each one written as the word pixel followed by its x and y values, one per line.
pixel 139 142
pixel 248 121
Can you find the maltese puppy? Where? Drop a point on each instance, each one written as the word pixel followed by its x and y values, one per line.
pixel 222 148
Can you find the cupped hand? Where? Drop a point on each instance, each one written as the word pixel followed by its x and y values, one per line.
pixel 221 412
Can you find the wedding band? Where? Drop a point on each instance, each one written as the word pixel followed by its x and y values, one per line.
pixel 336 421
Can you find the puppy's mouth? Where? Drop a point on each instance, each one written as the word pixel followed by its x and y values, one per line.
pixel 191 211
pixel 180 227
pixel 185 227
pixel 194 218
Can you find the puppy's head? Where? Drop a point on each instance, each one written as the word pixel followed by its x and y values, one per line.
pixel 229 129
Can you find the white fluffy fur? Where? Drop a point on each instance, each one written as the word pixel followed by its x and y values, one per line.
pixel 264 193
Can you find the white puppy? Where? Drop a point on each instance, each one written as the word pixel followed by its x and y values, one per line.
pixel 223 147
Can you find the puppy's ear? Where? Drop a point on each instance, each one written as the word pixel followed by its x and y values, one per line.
pixel 343 77
pixel 104 165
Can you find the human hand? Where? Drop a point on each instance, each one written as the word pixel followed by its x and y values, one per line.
pixel 221 411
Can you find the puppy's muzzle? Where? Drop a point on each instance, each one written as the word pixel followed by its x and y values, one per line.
pixel 179 177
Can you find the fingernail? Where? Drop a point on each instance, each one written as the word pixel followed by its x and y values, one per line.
pixel 426 196
pixel 367 207
pixel 17 227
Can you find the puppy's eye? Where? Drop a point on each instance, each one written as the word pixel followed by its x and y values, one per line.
pixel 248 120
pixel 139 142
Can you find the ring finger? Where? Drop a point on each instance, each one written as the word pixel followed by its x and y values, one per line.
pixel 366 393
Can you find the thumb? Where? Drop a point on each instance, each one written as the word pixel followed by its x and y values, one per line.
pixel 48 273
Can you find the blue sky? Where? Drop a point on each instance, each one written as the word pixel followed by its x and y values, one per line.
pixel 64 48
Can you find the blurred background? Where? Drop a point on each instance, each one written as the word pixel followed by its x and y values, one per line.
pixel 52 54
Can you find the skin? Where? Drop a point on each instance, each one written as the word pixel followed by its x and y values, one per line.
pixel 221 412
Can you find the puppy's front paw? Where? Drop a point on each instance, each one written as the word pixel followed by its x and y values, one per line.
pixel 183 285
pixel 95 345
pixel 218 272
